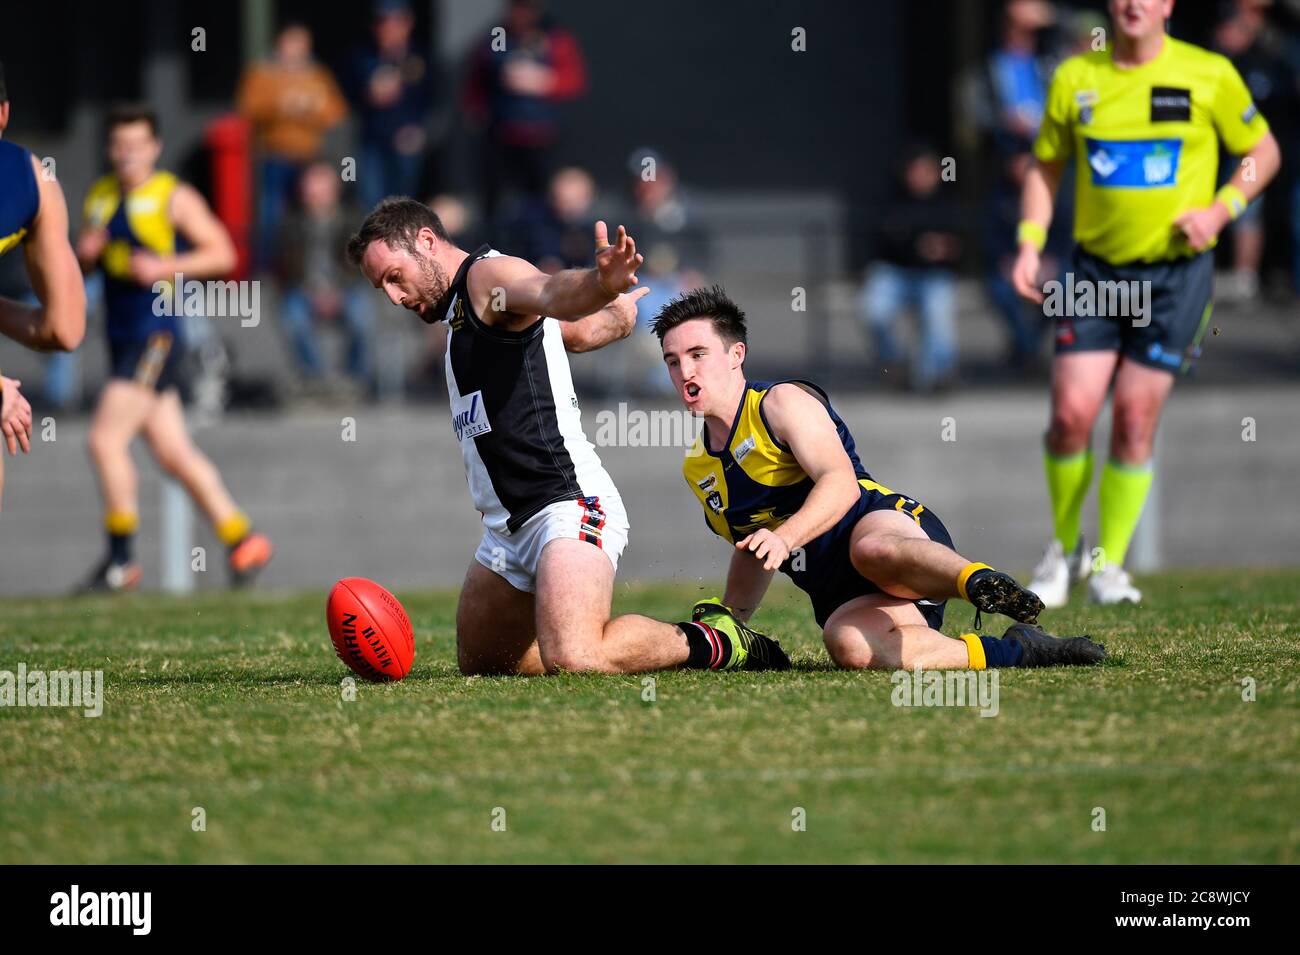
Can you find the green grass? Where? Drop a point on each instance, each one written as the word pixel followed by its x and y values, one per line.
pixel 233 704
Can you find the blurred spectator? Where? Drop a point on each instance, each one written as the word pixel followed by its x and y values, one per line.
pixel 1013 95
pixel 556 233
pixel 391 85
pixel 290 101
pixel 1260 59
pixel 917 253
pixel 513 87
pixel 676 254
pixel 318 283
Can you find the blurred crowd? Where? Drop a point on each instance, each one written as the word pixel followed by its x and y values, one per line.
pixel 329 143
pixel 525 201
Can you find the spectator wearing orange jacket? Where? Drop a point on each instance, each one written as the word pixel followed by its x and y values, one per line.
pixel 291 101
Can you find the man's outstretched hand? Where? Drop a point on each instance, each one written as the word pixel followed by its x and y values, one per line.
pixel 616 263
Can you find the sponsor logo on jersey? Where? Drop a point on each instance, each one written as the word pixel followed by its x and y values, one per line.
pixel 1171 104
pixel 714 500
pixel 1133 164
pixel 468 416
pixel 744 448
pixel 1085 100
pixel 1251 112
pixel 708 484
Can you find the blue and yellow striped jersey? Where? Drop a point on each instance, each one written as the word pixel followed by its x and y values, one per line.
pixel 142 221
pixel 20 197
pixel 755 481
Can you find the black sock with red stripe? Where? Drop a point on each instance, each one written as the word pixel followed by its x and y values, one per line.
pixel 707 648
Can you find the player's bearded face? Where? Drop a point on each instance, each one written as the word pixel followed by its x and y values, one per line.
pixel 432 282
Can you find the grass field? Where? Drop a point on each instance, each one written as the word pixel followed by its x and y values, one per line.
pixel 233 704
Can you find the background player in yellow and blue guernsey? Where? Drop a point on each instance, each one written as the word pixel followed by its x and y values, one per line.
pixel 778 475
pixel 1143 120
pixel 144 227
pixel 34 215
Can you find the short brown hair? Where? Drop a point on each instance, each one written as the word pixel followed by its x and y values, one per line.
pixel 712 303
pixel 396 221
pixel 123 114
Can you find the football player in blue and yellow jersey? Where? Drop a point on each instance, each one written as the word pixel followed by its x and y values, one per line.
pixel 144 227
pixel 33 215
pixel 1142 120
pixel 779 478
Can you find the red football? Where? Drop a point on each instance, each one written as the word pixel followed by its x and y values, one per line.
pixel 370 629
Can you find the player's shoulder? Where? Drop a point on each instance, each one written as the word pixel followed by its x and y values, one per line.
pixel 1186 54
pixel 102 187
pixel 1081 68
pixel 789 393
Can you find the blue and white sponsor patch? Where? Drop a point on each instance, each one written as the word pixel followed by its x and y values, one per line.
pixel 1133 163
pixel 468 416
pixel 1251 112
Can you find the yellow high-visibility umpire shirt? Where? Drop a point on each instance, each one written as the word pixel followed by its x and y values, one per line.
pixel 1146 142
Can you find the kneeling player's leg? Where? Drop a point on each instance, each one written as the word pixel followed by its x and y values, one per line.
pixel 881 632
pixel 575 586
pixel 495 627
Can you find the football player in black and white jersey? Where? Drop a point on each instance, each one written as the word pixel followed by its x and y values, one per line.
pixel 538 593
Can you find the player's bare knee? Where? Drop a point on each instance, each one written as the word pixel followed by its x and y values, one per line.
pixel 1069 428
pixel 1132 432
pixel 875 555
pixel 847 650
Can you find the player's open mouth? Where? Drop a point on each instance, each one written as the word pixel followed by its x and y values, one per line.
pixel 691 391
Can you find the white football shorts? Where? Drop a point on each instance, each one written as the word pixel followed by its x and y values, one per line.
pixel 600 521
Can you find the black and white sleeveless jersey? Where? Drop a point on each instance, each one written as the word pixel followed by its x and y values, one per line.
pixel 515 414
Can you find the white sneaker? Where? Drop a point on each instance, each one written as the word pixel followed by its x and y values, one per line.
pixel 1112 585
pixel 1051 580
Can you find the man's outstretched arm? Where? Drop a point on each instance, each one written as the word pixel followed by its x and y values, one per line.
pixel 59 322
pixel 509 287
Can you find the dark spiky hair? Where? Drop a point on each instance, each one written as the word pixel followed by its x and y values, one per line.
pixel 712 303
pixel 396 221
pixel 125 114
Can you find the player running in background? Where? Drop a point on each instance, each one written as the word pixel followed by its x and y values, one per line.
pixel 143 227
pixel 33 214
pixel 537 595
pixel 1144 121
pixel 777 473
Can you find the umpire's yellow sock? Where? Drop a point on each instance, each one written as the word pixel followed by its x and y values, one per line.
pixel 1123 491
pixel 1068 477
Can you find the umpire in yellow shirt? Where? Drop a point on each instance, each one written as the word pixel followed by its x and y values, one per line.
pixel 1143 120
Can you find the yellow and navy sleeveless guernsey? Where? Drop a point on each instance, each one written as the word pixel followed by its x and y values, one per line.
pixel 20 197
pixel 755 481
pixel 140 222
pixel 1146 142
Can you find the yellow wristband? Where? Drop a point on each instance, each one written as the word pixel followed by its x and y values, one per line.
pixel 1032 232
pixel 1233 198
